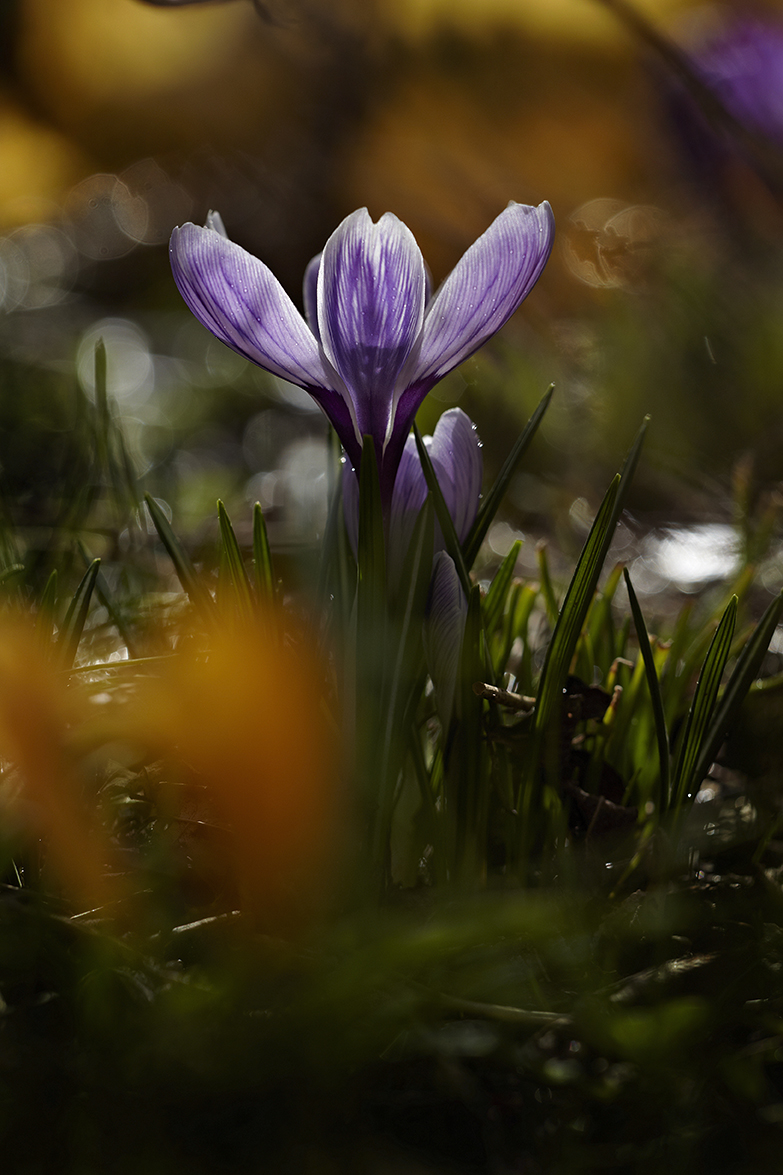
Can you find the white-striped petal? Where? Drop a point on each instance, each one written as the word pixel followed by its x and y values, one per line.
pixel 484 289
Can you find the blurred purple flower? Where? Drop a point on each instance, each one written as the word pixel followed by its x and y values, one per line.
pixel 738 59
pixel 742 63
pixel 373 344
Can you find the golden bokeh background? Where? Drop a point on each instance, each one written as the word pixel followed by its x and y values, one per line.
pixel 441 110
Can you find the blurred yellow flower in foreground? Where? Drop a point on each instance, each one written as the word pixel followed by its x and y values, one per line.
pixel 242 726
pixel 246 724
pixel 38 713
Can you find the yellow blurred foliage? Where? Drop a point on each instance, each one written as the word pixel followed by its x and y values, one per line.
pixel 38 712
pixel 523 99
pixel 245 725
pixel 133 80
pixel 106 47
pixel 584 21
pixel 38 165
pixel 450 151
pixel 243 728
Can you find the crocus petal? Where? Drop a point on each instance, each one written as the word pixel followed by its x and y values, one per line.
pixel 371 287
pixel 444 628
pixel 310 292
pixel 236 297
pixel 484 289
pixel 455 452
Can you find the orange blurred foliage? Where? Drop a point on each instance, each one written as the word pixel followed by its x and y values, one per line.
pixel 38 711
pixel 245 725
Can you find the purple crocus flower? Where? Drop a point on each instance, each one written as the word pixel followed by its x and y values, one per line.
pixel 455 452
pixel 372 344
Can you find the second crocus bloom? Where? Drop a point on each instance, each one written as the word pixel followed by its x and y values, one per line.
pixel 455 452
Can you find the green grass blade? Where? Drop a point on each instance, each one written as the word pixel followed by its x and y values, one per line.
pixel 263 571
pixel 579 596
pixel 467 789
pixel 545 580
pixel 600 622
pixel 572 615
pixel 237 584
pixel 654 686
pixel 104 596
pixel 495 600
pixel 442 514
pixel 742 677
pixel 44 619
pixel 491 503
pixel 126 474
pixel 9 574
pixel 103 414
pixel 75 617
pixel 702 707
pixel 114 461
pixel 186 573
pixel 522 603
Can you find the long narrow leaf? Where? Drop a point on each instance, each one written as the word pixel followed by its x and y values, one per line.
pixel 580 594
pixel 238 585
pixel 572 614
pixel 263 570
pixel 742 677
pixel 702 707
pixel 467 791
pixel 103 414
pixel 654 686
pixel 600 621
pixel 545 580
pixel 114 461
pixel 9 574
pixel 442 512
pixel 105 598
pixel 495 600
pixel 490 504
pixel 186 573
pixel 75 617
pixel 44 619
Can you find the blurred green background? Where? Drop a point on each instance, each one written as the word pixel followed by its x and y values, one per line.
pixel 119 120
